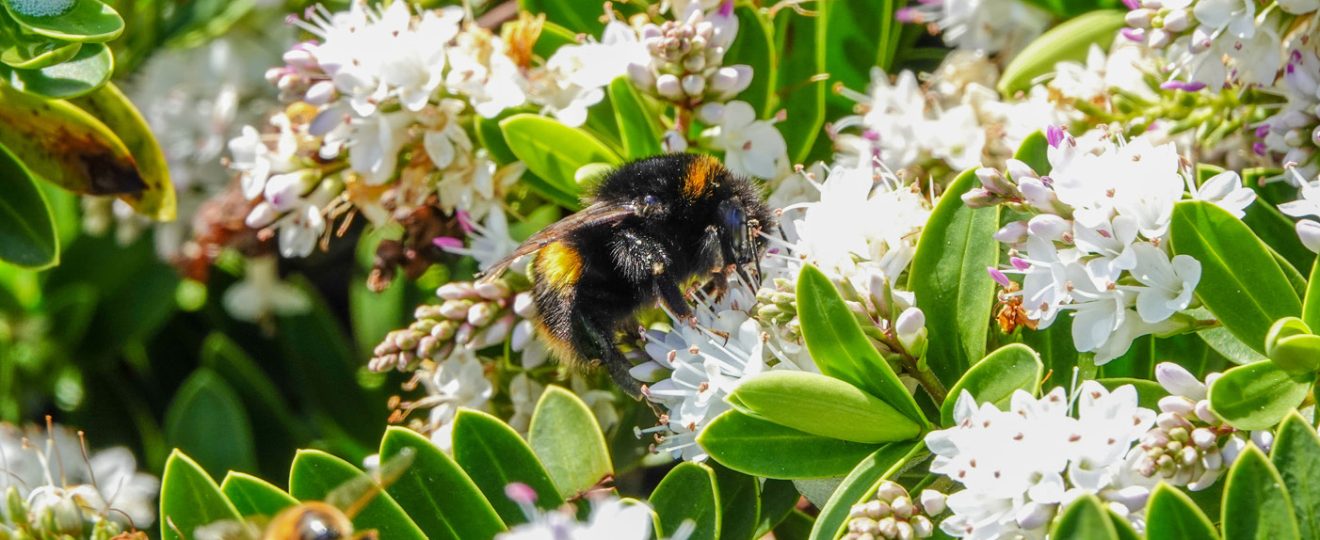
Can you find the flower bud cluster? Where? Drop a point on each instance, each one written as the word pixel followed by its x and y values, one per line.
pixel 1190 445
pixel 471 316
pixel 776 305
pixel 1158 25
pixel 687 59
pixel 894 514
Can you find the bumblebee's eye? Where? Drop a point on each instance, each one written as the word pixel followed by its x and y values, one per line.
pixel 650 200
pixel 315 525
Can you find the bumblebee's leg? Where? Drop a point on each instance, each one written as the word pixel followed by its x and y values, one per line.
pixel 598 339
pixel 644 261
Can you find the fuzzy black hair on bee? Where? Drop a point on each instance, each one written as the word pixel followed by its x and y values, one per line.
pixel 651 226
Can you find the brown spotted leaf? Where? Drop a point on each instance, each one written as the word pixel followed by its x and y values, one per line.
pixel 110 105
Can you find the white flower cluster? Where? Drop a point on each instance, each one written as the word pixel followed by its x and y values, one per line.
pixel 53 471
pixel 611 518
pixel 1096 243
pixel 1190 445
pixel 988 26
pixel 1019 467
pixel 1211 43
pixel 1294 130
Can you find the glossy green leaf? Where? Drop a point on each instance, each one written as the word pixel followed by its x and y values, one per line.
pixel 84 21
pixel 87 70
pixel 111 106
pixel 824 406
pixel 639 125
pixel 315 474
pixel 554 152
pixel 1072 8
pixel 1228 345
pixel 565 436
pixel 1054 344
pixel 755 46
pixel 492 139
pixel 740 503
pixel 204 406
pixel 688 493
pixel 860 484
pixel 800 84
pixel 1068 41
pixel 494 456
pixel 259 394
pixel 64 145
pixel 1034 151
pixel 1311 304
pixel 1296 455
pixel 29 52
pixel 949 279
pixel 1256 504
pixel 1084 519
pixel 840 349
pixel 27 234
pixel 1240 282
pixel 1284 328
pixel 439 496
pixel 553 36
pixel 778 499
pixel 1278 232
pixel 995 378
pixel 189 499
pixel 1297 355
pixel 254 497
pixel 582 16
pixel 759 447
pixel 1257 396
pixel 859 35
pixel 1171 515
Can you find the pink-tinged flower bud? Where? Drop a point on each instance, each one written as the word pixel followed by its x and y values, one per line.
pixel 910 322
pixel 1212 461
pixel 994 182
pixel 1139 18
pixel 1309 232
pixel 904 531
pixel 902 507
pixel 524 306
pixel 444 330
pixel 711 112
pixel 456 290
pixel 455 309
pixel 641 76
pixel 1205 414
pixel 694 63
pixel 1015 232
pixel 933 502
pixel 273 75
pixel 320 93
pixel 1131 497
pixel 481 313
pixel 729 81
pixel 887 527
pixel 922 527
pixel 979 198
pixel 1135 35
pixel 492 290
pixel 300 58
pixel 888 491
pixel 262 215
pixel 497 332
pixel 1177 405
pixel 523 332
pixel 1037 194
pixel 1055 135
pixel 1204 438
pixel 1018 169
pixel 694 85
pixel 285 191
pixel 1033 515
pixel 1178 20
pixel 1178 381
pixel 673 142
pixel 668 87
pixel 1263 439
pixel 1049 226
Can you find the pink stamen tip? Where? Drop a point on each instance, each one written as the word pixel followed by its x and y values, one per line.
pixel 447 242
pixel 520 493
pixel 998 275
pixel 1019 263
pixel 1054 134
pixel 464 221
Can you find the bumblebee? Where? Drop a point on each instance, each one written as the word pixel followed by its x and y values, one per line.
pixel 651 226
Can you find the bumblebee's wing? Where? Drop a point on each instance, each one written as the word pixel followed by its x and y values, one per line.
pixel 597 214
pixel 353 495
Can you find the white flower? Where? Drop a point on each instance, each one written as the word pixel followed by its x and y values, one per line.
pixel 1168 285
pixel 261 294
pixel 481 69
pixel 611 518
pixel 751 147
pixel 1226 191
pixel 457 382
pixel 524 392
pixel 1019 467
pixel 488 243
pixel 982 25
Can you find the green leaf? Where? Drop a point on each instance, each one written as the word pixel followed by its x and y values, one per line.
pixel 84 21
pixel 1054 344
pixel 565 436
pixel 254 497
pixel 554 152
pixel 884 464
pixel 1296 455
pixel 859 35
pixel 204 407
pixel 1284 328
pixel 823 406
pixel 315 474
pixel 193 23
pixel 1257 396
pixel 31 52
pixel 1010 368
pixel 740 504
pixel 1084 519
pixel 85 71
pixel 439 496
pixel 778 498
pixel 1297 355
pixel 755 47
pixel 271 412
pixel 189 499
pixel 688 492
pixel 495 456
pixel 1256 505
pixel 950 282
pixel 112 107
pixel 581 16
pixel 840 349
pixel 1311 305
pixel 27 234
pixel 799 84
pixel 1228 345
pixel 64 145
pixel 1171 515
pixel 492 139
pixel 639 125
pixel 1034 151
pixel 1069 41
pixel 750 445
pixel 1240 282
